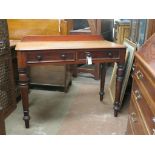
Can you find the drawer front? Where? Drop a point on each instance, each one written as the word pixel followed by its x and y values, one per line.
pixel 142 77
pixel 98 54
pixel 129 130
pixel 143 105
pixel 51 56
pixel 135 120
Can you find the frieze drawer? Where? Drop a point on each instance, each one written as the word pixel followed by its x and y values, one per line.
pixel 45 56
pixel 98 54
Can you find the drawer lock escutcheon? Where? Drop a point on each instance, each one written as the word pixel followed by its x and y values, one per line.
pixel 133 117
pixel 138 95
pixel 88 58
pixel 139 75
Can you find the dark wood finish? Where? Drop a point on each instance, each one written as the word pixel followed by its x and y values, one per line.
pixel 139 98
pixel 151 28
pixel 102 76
pixel 28 50
pixel 135 120
pixel 143 88
pixel 96 72
pixel 119 80
pixel 45 56
pixel 97 55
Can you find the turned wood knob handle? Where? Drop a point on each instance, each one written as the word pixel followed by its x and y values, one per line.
pixel 110 54
pixel 63 56
pixel 39 57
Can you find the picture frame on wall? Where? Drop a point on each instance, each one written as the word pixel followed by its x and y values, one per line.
pixel 142 32
pixel 130 49
pixel 134 30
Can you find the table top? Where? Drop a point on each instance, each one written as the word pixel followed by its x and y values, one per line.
pixel 14 42
pixel 46 45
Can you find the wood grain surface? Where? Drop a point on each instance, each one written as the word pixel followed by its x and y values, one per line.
pixel 42 45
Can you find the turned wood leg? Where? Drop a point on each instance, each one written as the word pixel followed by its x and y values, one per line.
pixel 119 80
pixel 97 71
pixel 23 84
pixel 102 80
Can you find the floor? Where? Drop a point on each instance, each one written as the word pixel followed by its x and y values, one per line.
pixel 78 112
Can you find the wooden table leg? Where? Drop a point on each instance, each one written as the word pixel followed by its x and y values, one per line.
pixel 102 80
pixel 23 84
pixel 119 80
pixel 97 71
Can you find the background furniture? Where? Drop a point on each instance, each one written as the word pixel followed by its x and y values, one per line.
pixel 53 74
pixel 141 119
pixel 7 88
pixel 141 30
pixel 122 30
